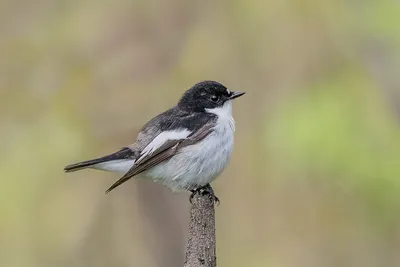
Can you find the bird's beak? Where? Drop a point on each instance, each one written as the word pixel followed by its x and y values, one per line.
pixel 236 95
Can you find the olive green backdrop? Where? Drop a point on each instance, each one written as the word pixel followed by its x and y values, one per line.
pixel 315 175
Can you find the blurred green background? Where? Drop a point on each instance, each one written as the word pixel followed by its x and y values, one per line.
pixel 314 179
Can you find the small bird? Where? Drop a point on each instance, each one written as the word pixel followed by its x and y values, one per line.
pixel 184 148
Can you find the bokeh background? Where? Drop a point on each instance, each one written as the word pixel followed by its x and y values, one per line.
pixel 314 179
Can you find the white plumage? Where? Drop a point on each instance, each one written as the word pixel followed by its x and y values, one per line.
pixel 185 147
pixel 199 164
pixel 194 166
pixel 119 165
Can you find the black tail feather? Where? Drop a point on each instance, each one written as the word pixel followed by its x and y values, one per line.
pixel 82 165
pixel 124 153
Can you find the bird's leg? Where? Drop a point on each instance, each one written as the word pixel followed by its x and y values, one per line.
pixel 205 190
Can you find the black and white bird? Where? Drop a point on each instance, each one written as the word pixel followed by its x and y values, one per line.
pixel 184 148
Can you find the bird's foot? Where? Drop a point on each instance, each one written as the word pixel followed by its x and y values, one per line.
pixel 205 190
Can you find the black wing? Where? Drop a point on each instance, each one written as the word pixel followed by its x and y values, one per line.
pixel 164 152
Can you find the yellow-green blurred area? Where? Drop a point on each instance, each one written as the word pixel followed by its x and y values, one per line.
pixel 315 175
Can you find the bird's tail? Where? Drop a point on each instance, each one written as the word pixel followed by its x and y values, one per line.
pixel 83 165
pixel 124 153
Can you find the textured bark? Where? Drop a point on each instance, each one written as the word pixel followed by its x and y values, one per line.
pixel 200 248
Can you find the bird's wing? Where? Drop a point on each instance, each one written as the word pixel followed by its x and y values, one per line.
pixel 163 147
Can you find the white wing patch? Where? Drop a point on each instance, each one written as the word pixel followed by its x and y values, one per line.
pixel 161 139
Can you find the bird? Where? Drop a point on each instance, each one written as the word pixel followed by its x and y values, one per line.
pixel 184 148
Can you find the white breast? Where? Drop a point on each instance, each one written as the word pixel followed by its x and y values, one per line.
pixel 199 164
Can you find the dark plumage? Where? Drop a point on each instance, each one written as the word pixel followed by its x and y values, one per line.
pixel 199 97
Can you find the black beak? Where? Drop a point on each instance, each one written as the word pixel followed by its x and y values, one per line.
pixel 236 95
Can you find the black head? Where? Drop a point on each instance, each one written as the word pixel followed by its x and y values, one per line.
pixel 207 95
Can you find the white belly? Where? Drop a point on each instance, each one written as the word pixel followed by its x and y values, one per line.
pixel 199 164
pixel 194 166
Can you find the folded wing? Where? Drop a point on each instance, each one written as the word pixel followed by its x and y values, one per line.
pixel 162 148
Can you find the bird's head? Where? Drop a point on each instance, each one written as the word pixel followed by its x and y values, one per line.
pixel 207 95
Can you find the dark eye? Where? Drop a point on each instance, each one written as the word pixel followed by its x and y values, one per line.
pixel 215 98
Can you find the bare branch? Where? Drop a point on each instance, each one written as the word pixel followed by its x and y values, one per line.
pixel 200 248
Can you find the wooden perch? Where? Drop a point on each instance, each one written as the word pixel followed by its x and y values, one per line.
pixel 200 248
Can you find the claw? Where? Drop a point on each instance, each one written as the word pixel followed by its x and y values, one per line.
pixel 205 190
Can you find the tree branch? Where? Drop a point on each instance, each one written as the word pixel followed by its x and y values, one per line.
pixel 200 248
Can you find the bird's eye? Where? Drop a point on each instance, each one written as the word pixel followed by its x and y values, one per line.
pixel 215 98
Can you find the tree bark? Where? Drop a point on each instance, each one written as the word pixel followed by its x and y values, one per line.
pixel 200 248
